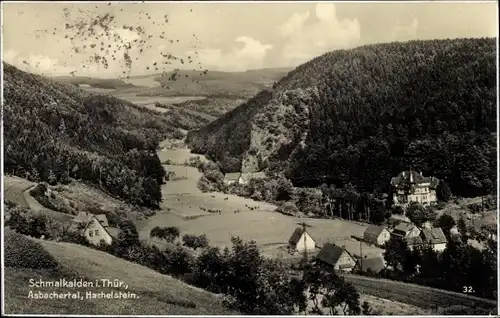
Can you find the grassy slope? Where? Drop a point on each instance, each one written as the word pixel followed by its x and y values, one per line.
pixel 336 99
pixel 158 294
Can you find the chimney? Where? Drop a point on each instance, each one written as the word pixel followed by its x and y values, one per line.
pixel 411 177
pixel 421 173
pixel 403 174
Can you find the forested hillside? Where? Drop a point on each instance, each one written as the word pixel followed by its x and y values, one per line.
pixel 54 131
pixel 361 116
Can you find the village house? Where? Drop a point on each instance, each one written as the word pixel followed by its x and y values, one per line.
pixel 395 219
pixel 301 241
pixel 246 177
pixel 232 177
pixel 336 257
pixel 410 186
pixel 435 237
pixel 376 235
pixel 406 230
pixel 95 228
pixel 413 242
pixel 373 264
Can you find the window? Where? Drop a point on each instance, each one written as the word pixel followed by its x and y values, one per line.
pixel 91 233
pixel 96 232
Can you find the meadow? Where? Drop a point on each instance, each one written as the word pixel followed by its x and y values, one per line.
pixel 51 261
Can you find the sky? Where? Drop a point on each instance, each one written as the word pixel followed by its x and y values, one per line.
pixel 218 36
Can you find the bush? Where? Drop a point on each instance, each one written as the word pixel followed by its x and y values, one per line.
pixel 194 241
pixel 21 252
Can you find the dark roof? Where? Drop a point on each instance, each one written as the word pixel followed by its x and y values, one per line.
pixel 403 179
pixel 372 232
pixel 434 235
pixel 234 176
pixel 330 254
pixel 296 235
pixel 415 240
pixel 404 227
pixel 375 264
pixel 113 231
pixel 84 217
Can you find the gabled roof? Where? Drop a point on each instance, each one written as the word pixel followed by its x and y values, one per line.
pixel 412 177
pixel 434 236
pixel 404 227
pixel 232 176
pixel 297 234
pixel 84 217
pixel 112 231
pixel 330 254
pixel 373 232
pixel 375 264
pixel 399 217
pixel 415 240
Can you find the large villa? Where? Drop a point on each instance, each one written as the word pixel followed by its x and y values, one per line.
pixel 411 186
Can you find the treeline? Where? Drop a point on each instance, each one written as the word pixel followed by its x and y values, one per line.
pixel 374 111
pixel 53 132
pixel 250 283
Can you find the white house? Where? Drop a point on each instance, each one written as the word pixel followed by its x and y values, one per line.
pixel 376 235
pixel 300 241
pixel 232 177
pixel 246 177
pixel 96 228
pixel 410 186
pixel 435 237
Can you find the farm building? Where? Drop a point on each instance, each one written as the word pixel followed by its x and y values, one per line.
pixel 96 228
pixel 246 177
pixel 300 241
pixel 233 177
pixel 395 219
pixel 336 257
pixel 410 186
pixel 435 237
pixel 376 235
pixel 405 230
pixel 373 264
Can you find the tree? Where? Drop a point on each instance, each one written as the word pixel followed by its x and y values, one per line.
pixel 396 252
pixel 194 241
pixel 416 213
pixel 328 291
pixel 443 192
pixel 446 222
pixel 172 233
pixel 128 235
pixel 462 228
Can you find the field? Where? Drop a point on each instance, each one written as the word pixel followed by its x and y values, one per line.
pixel 158 294
pixel 14 188
pixel 182 203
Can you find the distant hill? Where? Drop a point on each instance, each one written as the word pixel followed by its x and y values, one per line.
pixel 215 84
pixel 110 83
pixel 361 116
pixel 54 131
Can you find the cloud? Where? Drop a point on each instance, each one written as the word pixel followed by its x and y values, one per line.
pixel 405 33
pixel 294 23
pixel 327 33
pixel 246 53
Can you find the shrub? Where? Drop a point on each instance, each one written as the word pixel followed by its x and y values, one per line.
pixel 194 241
pixel 22 252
